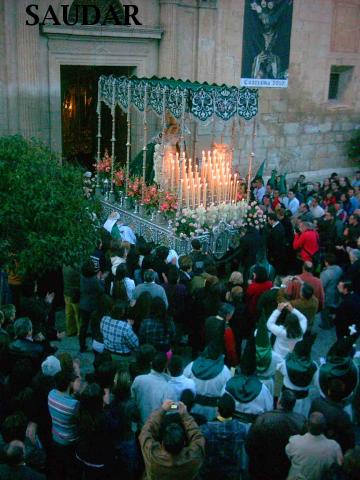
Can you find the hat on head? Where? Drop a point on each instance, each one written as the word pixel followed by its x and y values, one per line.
pixel 51 366
pixel 299 365
pixel 209 364
pixel 339 365
pixel 342 348
pixel 248 358
pixel 263 346
pixel 173 256
pixel 246 386
pixel 304 346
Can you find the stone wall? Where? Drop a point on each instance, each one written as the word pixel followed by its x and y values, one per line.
pixel 3 83
pixel 297 129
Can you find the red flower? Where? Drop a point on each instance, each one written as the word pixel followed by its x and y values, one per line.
pixel 119 177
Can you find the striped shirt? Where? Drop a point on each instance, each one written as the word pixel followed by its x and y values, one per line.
pixel 63 408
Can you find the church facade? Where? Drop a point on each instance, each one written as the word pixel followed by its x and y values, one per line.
pixel 301 129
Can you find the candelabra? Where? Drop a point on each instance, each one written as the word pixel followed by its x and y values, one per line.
pixel 211 182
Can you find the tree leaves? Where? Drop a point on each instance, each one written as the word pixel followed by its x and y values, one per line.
pixel 44 216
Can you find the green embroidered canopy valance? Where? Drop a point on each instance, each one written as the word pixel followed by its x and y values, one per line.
pixel 201 100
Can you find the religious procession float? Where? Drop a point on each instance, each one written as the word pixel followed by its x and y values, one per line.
pixel 163 194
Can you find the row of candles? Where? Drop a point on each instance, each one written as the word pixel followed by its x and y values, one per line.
pixel 212 183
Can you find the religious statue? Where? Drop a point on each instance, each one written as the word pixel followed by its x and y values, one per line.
pixel 156 150
pixel 169 145
pixel 225 150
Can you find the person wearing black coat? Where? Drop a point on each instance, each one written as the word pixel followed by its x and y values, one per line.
pixel 276 244
pixel 249 245
pixel 268 437
pixel 91 290
pixel 24 347
pixel 348 311
pixel 353 272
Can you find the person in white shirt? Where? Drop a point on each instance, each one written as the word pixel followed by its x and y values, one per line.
pixel 287 335
pixel 260 190
pixel 291 202
pixel 315 209
pixel 178 381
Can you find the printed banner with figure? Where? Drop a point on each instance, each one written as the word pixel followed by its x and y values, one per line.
pixel 266 43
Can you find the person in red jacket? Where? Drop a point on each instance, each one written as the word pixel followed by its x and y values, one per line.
pixel 260 283
pixel 306 242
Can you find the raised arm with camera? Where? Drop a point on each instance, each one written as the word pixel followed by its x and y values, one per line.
pixel 160 444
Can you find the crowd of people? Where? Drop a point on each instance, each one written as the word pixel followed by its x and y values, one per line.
pixel 200 370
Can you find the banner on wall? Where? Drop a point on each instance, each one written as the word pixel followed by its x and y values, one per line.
pixel 266 43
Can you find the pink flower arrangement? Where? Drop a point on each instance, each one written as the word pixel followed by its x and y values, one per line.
pixel 151 196
pixel 135 187
pixel 254 216
pixel 119 178
pixel 169 204
pixel 104 166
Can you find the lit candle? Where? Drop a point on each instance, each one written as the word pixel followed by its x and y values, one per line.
pixel 198 193
pixel 236 189
pixel 172 175
pixel 180 194
pixel 235 176
pixel 203 157
pixel 188 196
pixel 204 194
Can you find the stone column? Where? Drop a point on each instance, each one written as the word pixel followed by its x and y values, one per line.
pixel 29 94
pixel 168 45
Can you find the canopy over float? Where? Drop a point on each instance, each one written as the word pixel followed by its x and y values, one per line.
pixel 200 101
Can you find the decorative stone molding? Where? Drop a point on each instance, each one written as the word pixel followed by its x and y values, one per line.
pixel 208 4
pixel 141 32
pixel 191 3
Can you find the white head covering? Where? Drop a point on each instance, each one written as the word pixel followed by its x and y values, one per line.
pixel 127 234
pixel 51 366
pixel 173 256
pixel 110 222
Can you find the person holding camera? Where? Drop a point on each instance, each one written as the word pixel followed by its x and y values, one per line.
pixel 172 444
